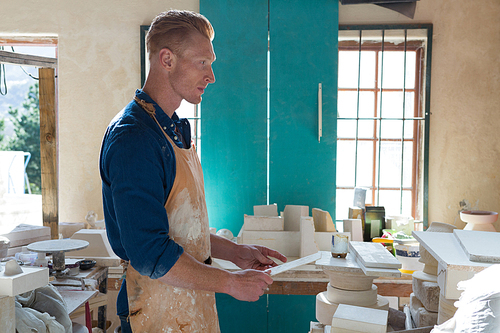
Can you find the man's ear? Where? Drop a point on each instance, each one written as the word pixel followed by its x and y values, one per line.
pixel 166 58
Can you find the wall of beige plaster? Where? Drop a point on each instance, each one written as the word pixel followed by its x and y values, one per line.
pixel 99 70
pixel 464 161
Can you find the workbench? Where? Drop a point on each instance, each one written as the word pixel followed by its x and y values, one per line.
pixel 305 280
pixel 293 292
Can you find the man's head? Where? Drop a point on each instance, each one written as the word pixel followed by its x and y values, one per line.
pixel 173 30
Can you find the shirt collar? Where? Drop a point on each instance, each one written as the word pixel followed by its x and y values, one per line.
pixel 161 116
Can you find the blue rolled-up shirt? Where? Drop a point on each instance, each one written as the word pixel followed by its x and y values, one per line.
pixel 137 167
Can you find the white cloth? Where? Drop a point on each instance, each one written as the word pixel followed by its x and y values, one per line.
pixel 479 305
pixel 45 304
pixel 29 320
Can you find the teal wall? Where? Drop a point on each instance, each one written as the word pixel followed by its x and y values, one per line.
pixel 271 313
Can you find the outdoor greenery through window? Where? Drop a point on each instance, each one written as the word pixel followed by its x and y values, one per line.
pixel 20 168
pixel 382 119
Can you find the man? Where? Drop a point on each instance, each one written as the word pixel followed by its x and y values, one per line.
pixel 153 194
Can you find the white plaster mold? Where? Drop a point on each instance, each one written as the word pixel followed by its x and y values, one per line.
pixel 420 315
pixel 323 220
pixel 479 220
pixel 307 242
pixel 424 276
pixel 7 314
pixel 447 309
pixel 294 264
pixel 12 268
pixel 292 214
pixel 427 292
pixel 30 279
pixel 360 319
pixel 263 223
pixel 4 246
pixel 374 255
pixel 429 269
pixel 99 248
pixel 354 226
pixel 265 210
pixel 453 264
pixel 316 327
pixel 480 246
pixel 352 297
pixel 286 242
pixel 25 234
pixel 350 281
pixel 348 285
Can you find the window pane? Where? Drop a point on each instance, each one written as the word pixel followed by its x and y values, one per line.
pixel 349 66
pixel 407 164
pixel 390 164
pixel 344 199
pixel 348 69
pixel 409 128
pixel 365 164
pixel 410 104
pixel 391 200
pixel 346 151
pixel 393 64
pixel 392 129
pixel 186 110
pixel 346 128
pixel 347 104
pixel 369 197
pixel 407 203
pixel 366 129
pixel 366 104
pixel 392 104
pixel 367 79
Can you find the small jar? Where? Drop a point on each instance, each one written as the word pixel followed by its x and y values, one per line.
pixel 340 245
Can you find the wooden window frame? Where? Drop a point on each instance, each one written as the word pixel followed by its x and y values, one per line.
pixel 420 117
pixel 48 122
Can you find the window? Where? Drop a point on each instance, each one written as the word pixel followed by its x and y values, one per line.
pixel 383 118
pixel 20 150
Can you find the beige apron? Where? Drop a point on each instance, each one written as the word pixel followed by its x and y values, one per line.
pixel 155 306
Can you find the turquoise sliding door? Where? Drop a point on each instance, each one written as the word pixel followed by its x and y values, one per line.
pixel 303 50
pixel 233 112
pixel 234 118
pixel 303 53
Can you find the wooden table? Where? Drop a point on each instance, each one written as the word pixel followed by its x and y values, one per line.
pixel 98 300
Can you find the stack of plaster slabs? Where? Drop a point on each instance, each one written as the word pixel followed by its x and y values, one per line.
pixel 351 279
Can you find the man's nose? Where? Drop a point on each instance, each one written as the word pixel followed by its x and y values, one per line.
pixel 211 76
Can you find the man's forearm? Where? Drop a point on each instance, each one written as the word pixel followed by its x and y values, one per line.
pixel 189 273
pixel 222 248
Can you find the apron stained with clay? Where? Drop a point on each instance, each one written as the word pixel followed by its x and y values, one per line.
pixel 155 306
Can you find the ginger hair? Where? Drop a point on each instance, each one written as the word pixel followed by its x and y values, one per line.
pixel 172 29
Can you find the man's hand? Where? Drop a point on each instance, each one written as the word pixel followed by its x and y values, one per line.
pixel 248 285
pixel 256 257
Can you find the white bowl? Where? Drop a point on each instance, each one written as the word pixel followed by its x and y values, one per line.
pixel 478 216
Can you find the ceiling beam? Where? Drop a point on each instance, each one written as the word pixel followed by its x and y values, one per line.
pixel 27 60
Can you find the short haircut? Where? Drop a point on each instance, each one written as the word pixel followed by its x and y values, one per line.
pixel 171 29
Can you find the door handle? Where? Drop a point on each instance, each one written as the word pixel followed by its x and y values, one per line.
pixel 320 111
